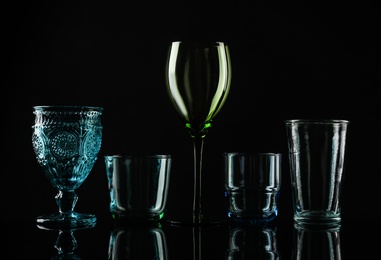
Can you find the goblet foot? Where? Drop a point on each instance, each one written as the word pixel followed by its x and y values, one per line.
pixel 67 220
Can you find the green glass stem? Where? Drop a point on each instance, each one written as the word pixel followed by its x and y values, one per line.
pixel 198 147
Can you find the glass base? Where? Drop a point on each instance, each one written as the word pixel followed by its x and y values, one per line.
pixel 67 220
pixel 196 222
pixel 317 218
pixel 247 221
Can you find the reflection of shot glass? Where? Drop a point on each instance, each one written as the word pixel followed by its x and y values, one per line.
pixel 138 186
pixel 137 242
pixel 316 155
pixel 316 242
pixel 252 243
pixel 252 185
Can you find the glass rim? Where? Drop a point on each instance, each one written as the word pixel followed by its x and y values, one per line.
pixel 199 42
pixel 267 154
pixel 74 107
pixel 138 156
pixel 317 121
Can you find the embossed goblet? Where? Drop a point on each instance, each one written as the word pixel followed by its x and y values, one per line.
pixel 66 141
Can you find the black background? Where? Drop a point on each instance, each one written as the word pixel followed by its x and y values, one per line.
pixel 288 61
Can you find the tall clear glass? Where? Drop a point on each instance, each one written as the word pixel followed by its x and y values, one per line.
pixel 316 157
pixel 198 79
pixel 66 141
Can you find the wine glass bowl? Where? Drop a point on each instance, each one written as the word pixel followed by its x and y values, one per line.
pixel 198 79
pixel 66 141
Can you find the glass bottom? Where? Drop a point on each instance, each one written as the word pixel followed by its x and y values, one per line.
pixel 318 228
pixel 251 221
pixel 317 218
pixel 122 220
pixel 196 222
pixel 66 220
pixel 144 217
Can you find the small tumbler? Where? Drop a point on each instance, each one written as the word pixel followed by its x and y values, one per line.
pixel 252 186
pixel 138 186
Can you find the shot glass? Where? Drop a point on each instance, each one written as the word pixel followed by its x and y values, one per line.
pixel 252 187
pixel 316 158
pixel 138 186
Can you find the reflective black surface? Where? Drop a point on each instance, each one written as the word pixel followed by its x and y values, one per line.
pixel 107 240
pixel 311 60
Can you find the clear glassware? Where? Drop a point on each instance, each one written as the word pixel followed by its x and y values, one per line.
pixel 66 141
pixel 198 79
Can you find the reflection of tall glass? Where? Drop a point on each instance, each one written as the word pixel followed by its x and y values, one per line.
pixel 316 243
pixel 253 243
pixel 137 242
pixel 316 156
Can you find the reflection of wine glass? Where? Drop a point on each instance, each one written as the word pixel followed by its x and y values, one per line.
pixel 198 77
pixel 66 141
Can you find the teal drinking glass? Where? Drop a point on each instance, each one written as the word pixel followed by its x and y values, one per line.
pixel 66 141
pixel 138 186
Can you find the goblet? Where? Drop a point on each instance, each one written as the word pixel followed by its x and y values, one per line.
pixel 66 141
pixel 198 79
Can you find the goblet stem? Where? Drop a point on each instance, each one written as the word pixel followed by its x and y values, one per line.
pixel 198 147
pixel 66 217
pixel 66 201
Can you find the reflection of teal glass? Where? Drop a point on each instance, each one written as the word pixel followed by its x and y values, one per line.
pixel 66 141
pixel 137 242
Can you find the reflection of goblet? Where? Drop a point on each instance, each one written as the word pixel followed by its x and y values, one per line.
pixel 198 77
pixel 66 141
pixel 66 244
pixel 137 242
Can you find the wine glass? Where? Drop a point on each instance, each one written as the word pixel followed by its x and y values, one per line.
pixel 198 78
pixel 66 141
